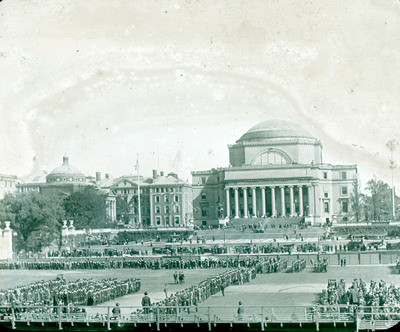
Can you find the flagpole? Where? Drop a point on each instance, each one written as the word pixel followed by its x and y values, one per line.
pixel 138 183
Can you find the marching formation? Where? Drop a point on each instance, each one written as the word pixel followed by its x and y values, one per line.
pixel 194 295
pixel 155 264
pixel 60 292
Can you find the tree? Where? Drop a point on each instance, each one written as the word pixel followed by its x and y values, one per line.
pixel 123 209
pixel 87 208
pixel 379 200
pixel 35 217
pixel 356 201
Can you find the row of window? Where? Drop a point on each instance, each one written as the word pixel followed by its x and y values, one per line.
pixel 167 220
pixel 167 190
pixel 343 175
pixel 167 198
pixel 344 207
pixel 68 180
pixel 167 209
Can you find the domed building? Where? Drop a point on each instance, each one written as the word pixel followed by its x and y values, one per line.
pixel 66 174
pixel 66 179
pixel 276 171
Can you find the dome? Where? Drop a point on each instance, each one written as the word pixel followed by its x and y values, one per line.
pixel 275 129
pixel 65 173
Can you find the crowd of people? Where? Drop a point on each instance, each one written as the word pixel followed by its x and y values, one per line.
pixel 154 264
pixel 58 291
pixel 196 294
pixel 377 294
pixel 321 265
pixel 299 265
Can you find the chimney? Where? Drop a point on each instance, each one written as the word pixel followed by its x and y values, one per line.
pixel 65 160
pixel 155 174
pixel 161 173
pixel 107 176
pixel 98 176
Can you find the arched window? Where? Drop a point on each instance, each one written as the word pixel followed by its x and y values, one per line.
pixel 271 157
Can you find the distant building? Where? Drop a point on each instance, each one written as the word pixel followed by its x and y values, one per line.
pixel 8 184
pixel 276 171
pixel 166 201
pixel 63 181
pixel 170 201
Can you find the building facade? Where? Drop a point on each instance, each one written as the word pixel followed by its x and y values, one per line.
pixel 171 202
pixel 165 201
pixel 63 181
pixel 8 184
pixel 276 171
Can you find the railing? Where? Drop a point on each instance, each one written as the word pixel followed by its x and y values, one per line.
pixel 365 318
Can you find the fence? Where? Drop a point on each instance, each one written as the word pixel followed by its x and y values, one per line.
pixel 371 318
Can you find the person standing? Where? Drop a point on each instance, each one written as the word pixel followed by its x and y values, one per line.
pixel 176 277
pixel 223 289
pixel 166 291
pixel 146 303
pixel 116 311
pixel 240 311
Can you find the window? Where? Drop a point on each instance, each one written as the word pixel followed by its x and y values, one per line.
pixel 157 199
pixel 326 195
pixel 176 209
pixel 344 190
pixel 203 196
pixel 158 209
pixel 345 207
pixel 167 220
pixel 271 157
pixel 344 175
pixel 326 207
pixel 325 175
pixel 158 220
pixel 167 209
pixel 176 198
pixel 204 211
pixel 176 219
pixel 166 198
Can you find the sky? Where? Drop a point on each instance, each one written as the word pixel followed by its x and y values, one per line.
pixel 177 81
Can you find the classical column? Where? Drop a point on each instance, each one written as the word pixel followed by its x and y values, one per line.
pixel 263 201
pixel 292 207
pixel 236 203
pixel 301 201
pixel 283 208
pixel 228 204
pixel 245 202
pixel 114 209
pixel 310 201
pixel 273 207
pixel 254 202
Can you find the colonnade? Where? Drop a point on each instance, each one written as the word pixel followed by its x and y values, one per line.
pixel 111 208
pixel 276 201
